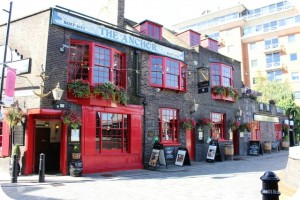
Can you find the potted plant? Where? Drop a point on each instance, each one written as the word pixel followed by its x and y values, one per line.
pixel 79 88
pixel 188 123
pixel 76 154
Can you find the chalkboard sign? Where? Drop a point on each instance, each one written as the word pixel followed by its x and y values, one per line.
pixel 255 148
pixel 275 146
pixel 170 153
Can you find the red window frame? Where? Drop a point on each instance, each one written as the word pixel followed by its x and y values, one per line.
pixel 221 74
pixel 112 132
pixel 167 73
pixel 96 63
pixel 194 39
pixel 218 129
pixel 213 45
pixel 151 29
pixel 168 125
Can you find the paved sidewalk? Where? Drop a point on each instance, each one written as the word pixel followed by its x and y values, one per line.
pixel 201 180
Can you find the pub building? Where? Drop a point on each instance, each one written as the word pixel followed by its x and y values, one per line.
pixel 126 83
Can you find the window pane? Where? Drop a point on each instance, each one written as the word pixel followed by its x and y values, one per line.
pixel 295 76
pixel 111 131
pixel 291 38
pixel 168 124
pixel 172 73
pixel 293 57
pixel 218 130
pixel 156 71
pixel 253 63
pixel 297 95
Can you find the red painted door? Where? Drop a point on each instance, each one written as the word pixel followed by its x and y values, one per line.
pixel 236 143
pixel 190 143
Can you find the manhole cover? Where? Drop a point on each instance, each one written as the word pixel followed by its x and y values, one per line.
pixel 57 184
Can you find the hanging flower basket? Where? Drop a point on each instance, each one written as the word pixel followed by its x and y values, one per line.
pixel 206 122
pixel 234 125
pixel 72 119
pixel 13 116
pixel 188 123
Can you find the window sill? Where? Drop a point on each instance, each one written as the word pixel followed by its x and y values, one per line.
pixel 170 143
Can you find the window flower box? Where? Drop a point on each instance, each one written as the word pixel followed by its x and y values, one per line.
pixel 220 92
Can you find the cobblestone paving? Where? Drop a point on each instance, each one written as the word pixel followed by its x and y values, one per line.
pixel 230 180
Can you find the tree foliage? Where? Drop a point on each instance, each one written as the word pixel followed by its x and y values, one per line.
pixel 279 91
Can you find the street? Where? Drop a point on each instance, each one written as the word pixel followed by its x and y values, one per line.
pixel 230 180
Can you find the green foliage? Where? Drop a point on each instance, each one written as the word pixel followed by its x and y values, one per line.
pixel 279 91
pixel 13 115
pixel 109 91
pixel 79 88
pixel 16 150
pixel 76 148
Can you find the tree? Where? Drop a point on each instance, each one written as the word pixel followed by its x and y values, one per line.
pixel 278 91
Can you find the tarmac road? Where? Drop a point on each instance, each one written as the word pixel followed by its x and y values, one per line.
pixel 237 179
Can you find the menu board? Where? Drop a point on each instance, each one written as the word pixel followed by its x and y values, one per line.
pixel 169 153
pixel 255 148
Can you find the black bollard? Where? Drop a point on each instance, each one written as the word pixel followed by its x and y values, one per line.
pixel 42 168
pixel 14 174
pixel 270 186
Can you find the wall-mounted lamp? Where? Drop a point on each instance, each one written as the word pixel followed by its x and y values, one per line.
pixel 46 124
pixel 200 134
pixel 157 89
pixel 238 114
pixel 56 128
pixel 194 106
pixel 62 48
pixel 57 93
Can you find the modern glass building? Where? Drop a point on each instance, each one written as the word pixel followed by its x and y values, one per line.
pixel 264 39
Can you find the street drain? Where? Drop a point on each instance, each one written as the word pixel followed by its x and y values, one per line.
pixel 57 184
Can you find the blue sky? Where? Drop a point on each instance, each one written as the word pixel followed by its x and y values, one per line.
pixel 165 12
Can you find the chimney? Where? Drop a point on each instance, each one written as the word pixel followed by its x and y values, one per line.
pixel 113 12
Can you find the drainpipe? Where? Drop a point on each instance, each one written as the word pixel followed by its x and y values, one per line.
pixel 144 102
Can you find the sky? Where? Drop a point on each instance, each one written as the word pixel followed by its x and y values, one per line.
pixel 164 12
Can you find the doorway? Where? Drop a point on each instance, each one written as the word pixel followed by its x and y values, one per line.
pixel 44 144
pixel 236 142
